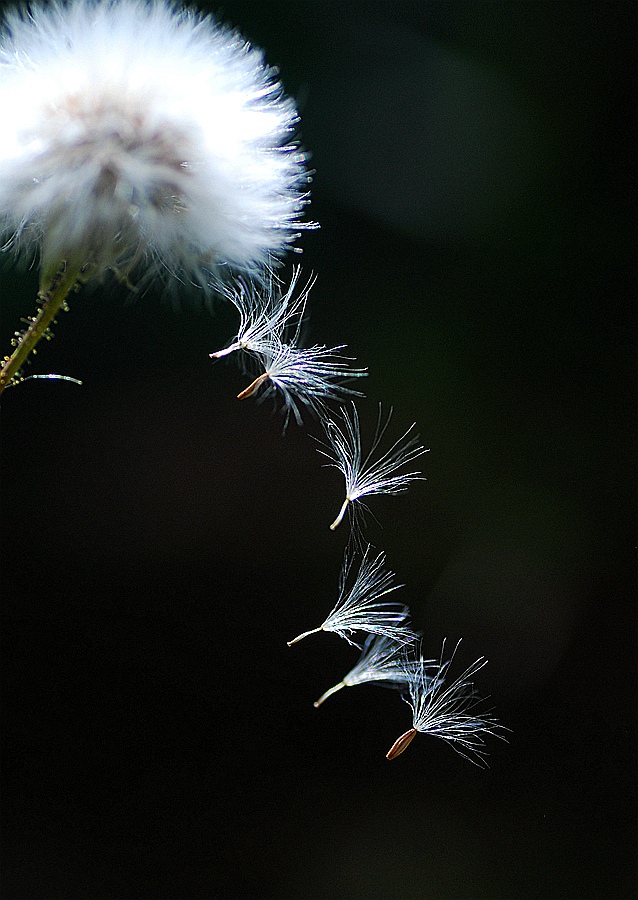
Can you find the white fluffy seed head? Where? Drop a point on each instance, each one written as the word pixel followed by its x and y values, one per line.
pixel 136 132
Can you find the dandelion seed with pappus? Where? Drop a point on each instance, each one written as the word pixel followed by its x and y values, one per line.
pixel 140 136
pixel 360 607
pixel 448 712
pixel 382 661
pixel 266 312
pixel 365 475
pixel 270 333
pixel 302 377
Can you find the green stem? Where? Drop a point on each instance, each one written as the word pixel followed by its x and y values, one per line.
pixel 52 300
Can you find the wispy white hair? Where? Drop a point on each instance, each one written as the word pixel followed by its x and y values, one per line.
pixel 142 132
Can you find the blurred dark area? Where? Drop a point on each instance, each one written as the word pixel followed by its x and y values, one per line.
pixel 475 183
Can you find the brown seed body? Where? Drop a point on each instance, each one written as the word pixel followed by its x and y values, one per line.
pixel 401 744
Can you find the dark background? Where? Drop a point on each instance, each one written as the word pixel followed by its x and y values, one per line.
pixel 475 186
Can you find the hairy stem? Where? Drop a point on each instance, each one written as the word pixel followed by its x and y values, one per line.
pixel 52 300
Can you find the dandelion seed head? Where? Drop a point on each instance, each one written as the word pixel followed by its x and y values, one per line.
pixel 137 131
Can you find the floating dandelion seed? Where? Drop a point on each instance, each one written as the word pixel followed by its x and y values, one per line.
pixel 383 661
pixel 266 312
pixel 447 712
pixel 361 608
pixel 365 476
pixel 269 332
pixel 302 377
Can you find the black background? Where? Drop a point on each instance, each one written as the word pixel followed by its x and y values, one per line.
pixel 475 186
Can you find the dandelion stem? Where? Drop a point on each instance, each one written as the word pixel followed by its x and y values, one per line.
pixel 401 744
pixel 250 390
pixel 52 300
pixel 333 690
pixel 342 513
pixel 304 634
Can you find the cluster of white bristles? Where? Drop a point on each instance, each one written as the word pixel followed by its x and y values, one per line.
pixel 139 137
